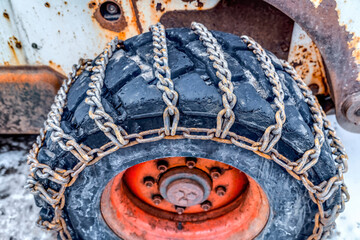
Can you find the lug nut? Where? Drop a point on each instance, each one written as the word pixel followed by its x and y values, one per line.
pixel 149 181
pixel 206 205
pixel 215 173
pixel 190 162
pixel 162 166
pixel 179 210
pixel 220 191
pixel 157 199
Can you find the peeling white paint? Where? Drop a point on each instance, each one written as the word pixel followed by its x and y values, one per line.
pixel 349 17
pixel 316 2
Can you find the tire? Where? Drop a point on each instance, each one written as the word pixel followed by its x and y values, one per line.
pixel 132 99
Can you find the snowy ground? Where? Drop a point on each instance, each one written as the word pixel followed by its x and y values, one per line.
pixel 18 212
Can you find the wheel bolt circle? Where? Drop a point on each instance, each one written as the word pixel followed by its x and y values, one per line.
pixel 220 191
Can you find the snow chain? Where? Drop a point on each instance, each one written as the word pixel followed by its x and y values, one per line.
pixel 119 138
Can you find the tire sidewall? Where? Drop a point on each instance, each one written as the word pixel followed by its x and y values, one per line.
pixel 291 210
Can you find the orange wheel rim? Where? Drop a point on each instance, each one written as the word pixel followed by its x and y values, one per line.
pixel 184 198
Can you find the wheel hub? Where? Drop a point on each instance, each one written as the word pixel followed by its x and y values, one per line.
pixel 184 198
pixel 185 187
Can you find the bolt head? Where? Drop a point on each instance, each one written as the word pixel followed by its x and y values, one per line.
pixel 157 199
pixel 206 205
pixel 162 168
pixel 190 163
pixel 179 210
pixel 220 191
pixel 111 8
pixel 149 182
pixel 215 173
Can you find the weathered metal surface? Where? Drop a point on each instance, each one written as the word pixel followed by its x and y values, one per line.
pixel 26 94
pixel 74 29
pixel 243 210
pixel 306 59
pixel 263 22
pixel 338 47
pixel 54 33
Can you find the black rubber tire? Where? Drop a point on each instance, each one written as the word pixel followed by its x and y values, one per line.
pixel 132 99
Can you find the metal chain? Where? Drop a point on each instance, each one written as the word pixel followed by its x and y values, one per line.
pixel 325 222
pixel 273 132
pixel 164 83
pixel 42 171
pixel 96 111
pixel 324 219
pixel 226 117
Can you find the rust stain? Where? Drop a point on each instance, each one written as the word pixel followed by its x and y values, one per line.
pixel 307 62
pixel 56 67
pixel 135 21
pixel 159 7
pixel 115 26
pixel 92 4
pixel 353 44
pixel 316 3
pixel 13 43
pixel 27 93
pixel 6 15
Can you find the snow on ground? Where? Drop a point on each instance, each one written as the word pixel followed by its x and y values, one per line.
pixel 348 223
pixel 18 212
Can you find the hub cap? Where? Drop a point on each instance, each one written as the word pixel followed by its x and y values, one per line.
pixel 185 187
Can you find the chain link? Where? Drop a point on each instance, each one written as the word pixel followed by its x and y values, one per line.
pixel 42 171
pixel 96 111
pixel 324 219
pixel 273 132
pixel 165 84
pixel 226 117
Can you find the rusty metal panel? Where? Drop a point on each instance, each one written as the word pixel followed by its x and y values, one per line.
pixel 307 60
pixel 338 46
pixel 263 22
pixel 25 97
pixel 56 33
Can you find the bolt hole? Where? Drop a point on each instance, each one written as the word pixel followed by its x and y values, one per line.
pixel 357 113
pixel 110 11
pixel 190 162
pixel 215 173
pixel 162 165
pixel 149 181
pixel 314 88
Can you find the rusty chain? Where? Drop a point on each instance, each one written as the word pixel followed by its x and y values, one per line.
pixel 226 117
pixel 272 133
pixel 165 84
pixel 324 219
pixel 42 171
pixel 96 111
